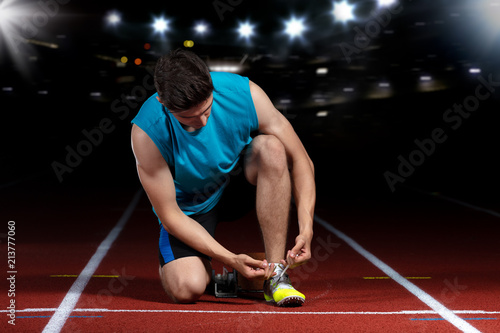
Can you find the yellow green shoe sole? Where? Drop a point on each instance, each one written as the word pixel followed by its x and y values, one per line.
pixel 295 299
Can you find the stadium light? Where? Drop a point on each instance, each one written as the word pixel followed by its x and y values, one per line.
pixel 113 18
pixel 201 28
pixel 386 3
pixel 246 30
pixel 13 18
pixel 160 25
pixel 343 11
pixel 8 14
pixel 295 27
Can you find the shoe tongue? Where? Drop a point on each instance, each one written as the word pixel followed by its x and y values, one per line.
pixel 278 268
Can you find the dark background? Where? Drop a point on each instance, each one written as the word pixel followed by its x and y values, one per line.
pixel 50 97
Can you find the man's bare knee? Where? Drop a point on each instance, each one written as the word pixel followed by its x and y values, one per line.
pixel 268 155
pixel 189 292
pixel 182 287
pixel 270 148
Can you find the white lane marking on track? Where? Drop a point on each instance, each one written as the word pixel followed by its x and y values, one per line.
pixel 402 312
pixel 62 313
pixel 456 201
pixel 465 204
pixel 419 293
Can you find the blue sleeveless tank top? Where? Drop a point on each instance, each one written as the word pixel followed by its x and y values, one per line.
pixel 201 161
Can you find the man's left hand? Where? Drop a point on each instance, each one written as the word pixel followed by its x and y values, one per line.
pixel 300 253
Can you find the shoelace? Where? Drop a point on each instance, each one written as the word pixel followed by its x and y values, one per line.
pixel 283 272
pixel 277 279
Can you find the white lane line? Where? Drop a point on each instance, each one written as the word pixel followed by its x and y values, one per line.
pixel 456 201
pixel 62 313
pixel 419 293
pixel 465 204
pixel 403 312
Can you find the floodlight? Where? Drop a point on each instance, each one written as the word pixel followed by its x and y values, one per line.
pixel 8 15
pixel 13 18
pixel 113 18
pixel 201 28
pixel 321 70
pixel 246 30
pixel 386 3
pixel 160 24
pixel 295 27
pixel 343 11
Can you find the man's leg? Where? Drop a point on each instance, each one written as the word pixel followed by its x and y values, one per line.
pixel 185 273
pixel 266 167
pixel 186 279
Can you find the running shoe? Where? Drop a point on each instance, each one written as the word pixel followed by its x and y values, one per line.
pixel 279 290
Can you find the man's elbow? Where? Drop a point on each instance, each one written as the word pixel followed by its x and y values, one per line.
pixel 169 220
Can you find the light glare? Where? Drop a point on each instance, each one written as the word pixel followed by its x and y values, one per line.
pixel 13 18
pixel 246 30
pixel 343 11
pixel 386 3
pixel 295 27
pixel 113 18
pixel 201 28
pixel 225 68
pixel 160 24
pixel 322 71
pixel 491 12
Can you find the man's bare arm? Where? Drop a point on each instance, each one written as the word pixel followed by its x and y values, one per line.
pixel 156 178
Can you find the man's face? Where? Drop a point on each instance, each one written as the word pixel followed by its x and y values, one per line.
pixel 197 116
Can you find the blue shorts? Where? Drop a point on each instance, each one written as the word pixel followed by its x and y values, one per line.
pixel 170 248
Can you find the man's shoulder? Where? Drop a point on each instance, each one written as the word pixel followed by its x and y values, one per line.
pixel 150 111
pixel 228 81
pixel 152 102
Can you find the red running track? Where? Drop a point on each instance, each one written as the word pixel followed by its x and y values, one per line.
pixel 452 249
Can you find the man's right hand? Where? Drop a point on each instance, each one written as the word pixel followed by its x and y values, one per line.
pixel 253 268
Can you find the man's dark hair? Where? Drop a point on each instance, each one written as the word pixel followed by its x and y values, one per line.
pixel 182 80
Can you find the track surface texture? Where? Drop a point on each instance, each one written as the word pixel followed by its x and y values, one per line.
pixel 444 250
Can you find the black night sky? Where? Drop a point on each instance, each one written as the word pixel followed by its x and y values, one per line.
pixel 404 95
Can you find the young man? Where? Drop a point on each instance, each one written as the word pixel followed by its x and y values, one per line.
pixel 187 140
